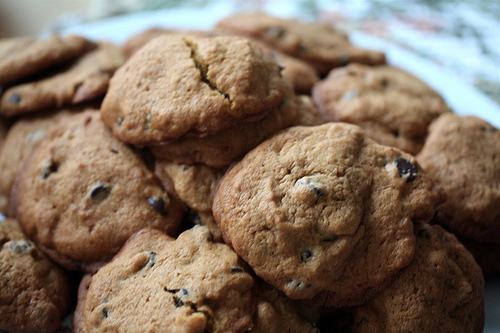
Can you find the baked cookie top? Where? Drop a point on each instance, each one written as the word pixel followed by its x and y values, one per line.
pixel 22 57
pixel 393 106
pixel 23 136
pixel 34 293
pixel 194 185
pixel 307 112
pixel 159 284
pixel 321 46
pixel 187 85
pixel 82 193
pixel 462 154
pixel 222 149
pixel 324 214
pixel 440 291
pixel 83 80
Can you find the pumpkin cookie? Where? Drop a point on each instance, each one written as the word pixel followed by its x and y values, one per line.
pixel 319 45
pixel 22 57
pixel 159 284
pixel 94 192
pixel 462 154
pixel 194 185
pixel 34 293
pixel 223 148
pixel 324 214
pixel 440 291
pixel 187 85
pixel 83 80
pixel 393 107
pixel 23 136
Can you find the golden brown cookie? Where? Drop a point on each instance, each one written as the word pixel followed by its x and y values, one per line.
pixel 323 213
pixel 462 154
pixel 194 185
pixel 158 284
pixel 83 80
pixel 221 149
pixel 186 85
pixel 319 45
pixel 440 291
pixel 35 294
pixel 393 107
pixel 82 193
pixel 22 57
pixel 23 136
pixel 307 112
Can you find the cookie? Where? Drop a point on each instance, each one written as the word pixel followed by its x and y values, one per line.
pixel 159 284
pixel 323 213
pixel 394 107
pixel 307 112
pixel 34 293
pixel 440 291
pixel 22 138
pixel 94 192
pixel 22 57
pixel 462 155
pixel 83 80
pixel 137 41
pixel 221 149
pixel 194 185
pixel 319 45
pixel 301 75
pixel 187 85
pixel 276 313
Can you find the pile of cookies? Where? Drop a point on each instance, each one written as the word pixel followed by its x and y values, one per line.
pixel 265 176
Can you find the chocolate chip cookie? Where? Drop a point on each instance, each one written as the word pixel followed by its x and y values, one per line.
pixel 319 45
pixel 221 149
pixel 34 293
pixel 156 283
pixel 323 213
pixel 82 193
pixel 462 154
pixel 194 185
pixel 440 291
pixel 23 136
pixel 187 85
pixel 22 57
pixel 83 80
pixel 393 107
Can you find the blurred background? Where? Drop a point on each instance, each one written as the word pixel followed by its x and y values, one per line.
pixel 461 36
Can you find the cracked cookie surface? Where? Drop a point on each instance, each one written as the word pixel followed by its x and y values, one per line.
pixel 156 283
pixel 94 192
pixel 35 294
pixel 394 107
pixel 323 213
pixel 187 85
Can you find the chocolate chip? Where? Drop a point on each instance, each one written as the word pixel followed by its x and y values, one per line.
pixel 158 204
pixel 344 60
pixel 105 313
pixel 275 32
pixel 120 120
pixel 296 284
pixel 100 192
pixel 406 169
pixel 488 129
pixel 313 186
pixel 306 255
pixel 152 259
pixel 50 168
pixel 148 121
pixel 14 98
pixel 194 217
pixel 20 246
pixel 236 269
pixel 178 302
pixel 183 291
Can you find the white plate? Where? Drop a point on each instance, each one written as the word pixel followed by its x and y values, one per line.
pixel 462 98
